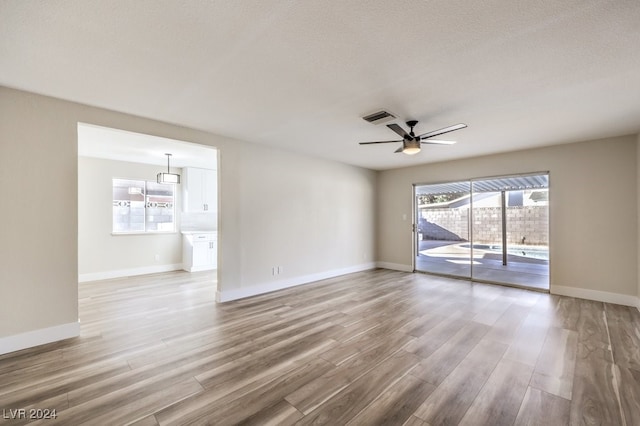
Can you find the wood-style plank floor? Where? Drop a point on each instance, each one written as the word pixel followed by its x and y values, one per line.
pixel 371 348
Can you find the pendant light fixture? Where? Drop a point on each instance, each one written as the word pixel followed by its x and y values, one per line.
pixel 168 177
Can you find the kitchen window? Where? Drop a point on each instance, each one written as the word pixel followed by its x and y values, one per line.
pixel 143 207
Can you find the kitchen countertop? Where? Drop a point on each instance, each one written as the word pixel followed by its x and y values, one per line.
pixel 198 232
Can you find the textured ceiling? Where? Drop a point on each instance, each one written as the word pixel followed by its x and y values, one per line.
pixel 300 74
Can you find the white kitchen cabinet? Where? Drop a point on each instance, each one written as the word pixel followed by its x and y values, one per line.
pixel 199 190
pixel 199 251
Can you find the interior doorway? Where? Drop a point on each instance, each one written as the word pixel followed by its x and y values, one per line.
pixel 493 230
pixel 129 222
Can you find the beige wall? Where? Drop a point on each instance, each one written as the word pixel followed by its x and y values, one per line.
pixel 39 214
pixel 98 250
pixel 306 214
pixel 593 209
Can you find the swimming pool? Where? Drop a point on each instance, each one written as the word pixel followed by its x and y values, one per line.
pixel 534 252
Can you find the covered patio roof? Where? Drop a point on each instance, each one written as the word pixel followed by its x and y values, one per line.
pixel 510 183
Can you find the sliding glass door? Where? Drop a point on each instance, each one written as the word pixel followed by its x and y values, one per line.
pixel 510 230
pixel 494 230
pixel 443 229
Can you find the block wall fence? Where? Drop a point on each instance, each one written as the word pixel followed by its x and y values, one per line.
pixel 525 225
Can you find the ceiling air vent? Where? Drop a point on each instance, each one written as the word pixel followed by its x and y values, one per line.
pixel 379 117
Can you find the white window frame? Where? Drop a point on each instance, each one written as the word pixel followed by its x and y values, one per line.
pixel 143 185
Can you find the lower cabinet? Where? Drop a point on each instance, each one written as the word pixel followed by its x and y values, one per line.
pixel 199 251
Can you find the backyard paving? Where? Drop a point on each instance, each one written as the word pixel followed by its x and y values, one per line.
pixel 453 258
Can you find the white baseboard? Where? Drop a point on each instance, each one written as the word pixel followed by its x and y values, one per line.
pixel 241 293
pixel 38 337
pixel 199 268
pixel 120 273
pixel 599 296
pixel 395 266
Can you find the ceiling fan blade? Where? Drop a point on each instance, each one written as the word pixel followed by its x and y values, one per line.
pixel 399 149
pixel 368 143
pixel 437 142
pixel 442 131
pixel 399 130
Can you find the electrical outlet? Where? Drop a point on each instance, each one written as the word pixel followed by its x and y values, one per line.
pixel 273 270
pixel 280 269
pixel 157 257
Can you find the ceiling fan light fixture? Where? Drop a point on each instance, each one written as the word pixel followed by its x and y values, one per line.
pixel 411 141
pixel 411 151
pixel 411 147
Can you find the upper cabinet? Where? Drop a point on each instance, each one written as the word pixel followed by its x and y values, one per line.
pixel 200 190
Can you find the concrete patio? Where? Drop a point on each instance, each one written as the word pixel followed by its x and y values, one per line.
pixel 454 258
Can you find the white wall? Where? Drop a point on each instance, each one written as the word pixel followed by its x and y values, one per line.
pixel 593 211
pixel 103 255
pixel 311 216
